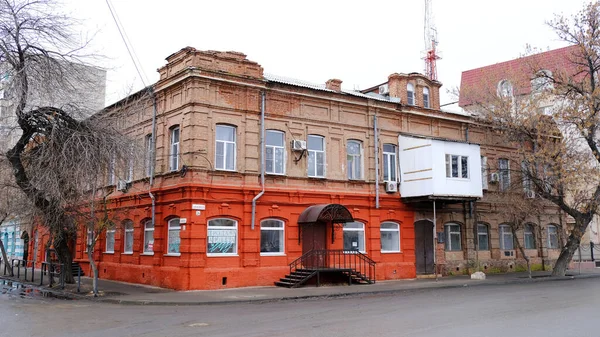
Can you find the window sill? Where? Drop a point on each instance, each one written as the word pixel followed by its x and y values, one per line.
pixel 458 179
pixel 109 253
pixel 225 170
pixel 147 254
pixel 272 254
pixel 317 178
pixel 173 254
pixel 275 174
pixel 221 255
pixel 128 253
pixel 391 251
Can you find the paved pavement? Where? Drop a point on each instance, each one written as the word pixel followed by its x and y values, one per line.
pixel 134 294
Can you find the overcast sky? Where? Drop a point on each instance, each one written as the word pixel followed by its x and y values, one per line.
pixel 359 42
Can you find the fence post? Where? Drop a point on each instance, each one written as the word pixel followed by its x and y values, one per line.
pixel 51 275
pixel 592 250
pixel 33 271
pixel 79 278
pixel 42 273
pixel 62 276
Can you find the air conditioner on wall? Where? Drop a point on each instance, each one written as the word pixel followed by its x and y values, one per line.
pixel 391 186
pixel 298 145
pixel 494 177
pixel 384 89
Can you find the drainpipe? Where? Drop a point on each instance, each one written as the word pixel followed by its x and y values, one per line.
pixel 262 158
pixel 376 134
pixel 152 155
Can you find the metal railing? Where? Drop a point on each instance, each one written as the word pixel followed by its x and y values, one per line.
pixel 53 269
pixel 347 260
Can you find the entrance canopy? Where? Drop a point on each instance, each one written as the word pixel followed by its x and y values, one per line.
pixel 334 213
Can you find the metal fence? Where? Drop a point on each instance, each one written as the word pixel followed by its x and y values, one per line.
pixel 587 252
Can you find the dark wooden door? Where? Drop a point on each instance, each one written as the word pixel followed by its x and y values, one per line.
pixel 314 237
pixel 424 246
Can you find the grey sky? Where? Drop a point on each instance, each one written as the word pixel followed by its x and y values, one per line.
pixel 359 42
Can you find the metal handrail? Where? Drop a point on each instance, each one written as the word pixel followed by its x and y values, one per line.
pixel 339 259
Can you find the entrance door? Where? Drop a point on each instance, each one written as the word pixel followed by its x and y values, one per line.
pixel 424 246
pixel 314 237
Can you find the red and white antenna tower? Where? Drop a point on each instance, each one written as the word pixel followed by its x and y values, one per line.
pixel 431 42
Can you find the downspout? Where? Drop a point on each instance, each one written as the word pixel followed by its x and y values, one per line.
pixel 262 158
pixel 153 155
pixel 376 133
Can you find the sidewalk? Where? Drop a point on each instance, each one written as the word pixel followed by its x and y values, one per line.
pixel 134 294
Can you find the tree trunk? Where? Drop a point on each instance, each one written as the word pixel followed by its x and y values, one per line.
pixel 566 255
pixel 64 256
pixel 94 269
pixel 5 259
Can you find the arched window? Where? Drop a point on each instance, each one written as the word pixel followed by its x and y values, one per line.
pixel 222 237
pixel 553 239
pixel 483 237
pixel 174 149
pixel 410 94
pixel 389 162
pixel 272 237
pixel 506 238
pixel 148 237
pixel 354 236
pixel 453 241
pixel 275 152
pixel 426 97
pixel 354 158
pixel 225 148
pixel 504 174
pixel 529 236
pixel 390 237
pixel 128 237
pixel 505 89
pixel 173 239
pixel 316 156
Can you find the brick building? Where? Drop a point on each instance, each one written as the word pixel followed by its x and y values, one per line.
pixel 333 162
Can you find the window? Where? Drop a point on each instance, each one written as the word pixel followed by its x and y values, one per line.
pixel 505 89
pixel 128 244
pixel 110 240
pixel 529 236
pixel 222 237
pixel 275 152
pixel 389 162
pixel 542 81
pixel 130 164
pixel 89 239
pixel 149 151
pixel 111 171
pixel 271 237
pixel 225 148
pixel 390 237
pixel 506 238
pixel 504 173
pixel 457 166
pixel 173 240
pixel 527 183
pixel 553 237
pixel 452 237
pixel 354 158
pixel 426 97
pixel 316 156
pixel 484 173
pixel 483 238
pixel 149 237
pixel 174 147
pixel 410 94
pixel 354 236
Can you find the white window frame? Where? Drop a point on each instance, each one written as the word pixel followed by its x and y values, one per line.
pixel 484 173
pixel 558 243
pixel 542 81
pixel 111 171
pixel 280 229
pixel 504 185
pixel 527 183
pixel 149 150
pixel 362 229
pixel 392 160
pixel 505 230
pixel 130 166
pixel 126 231
pixel 459 167
pixel 448 230
pixel 354 158
pixel 426 97
pixel 174 148
pixel 173 225
pixel 505 89
pixel 110 237
pixel 480 234
pixel 274 149
pixel 410 94
pixel 397 230
pixel 147 231
pixel 529 230
pixel 226 154
pixel 312 152
pixel 230 228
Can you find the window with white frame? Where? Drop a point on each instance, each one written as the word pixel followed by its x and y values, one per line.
pixel 410 94
pixel 275 152
pixel 457 166
pixel 452 232
pixel 390 237
pixel 148 162
pixel 426 97
pixel 148 237
pixel 111 171
pixel 527 183
pixel 542 81
pixel 505 89
pixel 174 239
pixel 354 236
pixel 222 237
pixel 110 240
pixel 130 165
pixel 484 173
pixel 128 242
pixel 389 162
pixel 354 159
pixel 316 156
pixel 504 173
pixel 506 238
pixel 483 237
pixel 225 152
pixel 174 149
pixel 529 236
pixel 553 239
pixel 272 237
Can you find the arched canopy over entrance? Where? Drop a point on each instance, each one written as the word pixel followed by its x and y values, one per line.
pixel 334 213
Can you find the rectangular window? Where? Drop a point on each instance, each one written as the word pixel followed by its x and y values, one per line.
pixel 504 173
pixel 484 173
pixel 148 237
pixel 410 94
pixel 275 152
pixel 527 183
pixel 354 158
pixel 128 245
pixel 482 237
pixel 225 148
pixel 174 155
pixel 425 97
pixel 149 151
pixel 506 238
pixel 354 236
pixel 174 239
pixel 529 237
pixel 316 156
pixel 390 237
pixel 452 237
pixel 457 166
pixel 110 241
pixel 130 164
pixel 553 237
pixel 271 237
pixel 389 162
pixel 111 171
pixel 222 237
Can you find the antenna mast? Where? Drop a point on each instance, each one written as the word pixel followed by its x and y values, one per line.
pixel 430 34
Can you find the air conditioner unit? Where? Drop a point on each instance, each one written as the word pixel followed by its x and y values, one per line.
pixel 529 194
pixel 391 186
pixel 494 177
pixel 298 145
pixel 384 89
pixel 122 185
pixel 509 253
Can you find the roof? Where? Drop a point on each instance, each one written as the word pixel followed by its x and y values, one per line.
pixel 519 71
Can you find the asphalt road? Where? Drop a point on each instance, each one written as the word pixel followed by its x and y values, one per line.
pixel 558 308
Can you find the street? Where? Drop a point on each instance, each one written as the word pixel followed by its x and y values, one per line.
pixel 561 308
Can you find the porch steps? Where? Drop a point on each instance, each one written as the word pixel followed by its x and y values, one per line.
pixel 296 278
pixel 75 267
